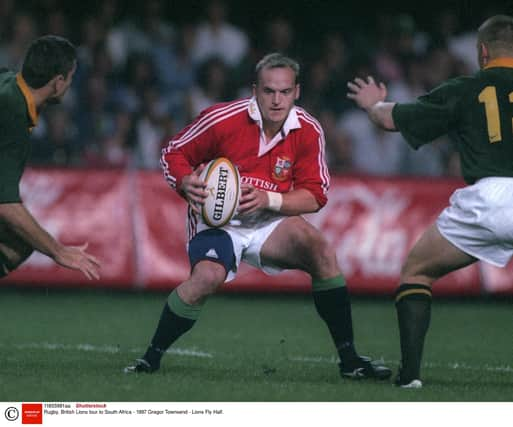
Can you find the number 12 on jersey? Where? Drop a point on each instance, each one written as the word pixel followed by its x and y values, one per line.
pixel 488 97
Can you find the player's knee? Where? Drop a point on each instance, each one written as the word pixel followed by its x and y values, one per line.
pixel 210 274
pixel 206 277
pixel 414 273
pixel 324 258
pixel 321 255
pixel 304 236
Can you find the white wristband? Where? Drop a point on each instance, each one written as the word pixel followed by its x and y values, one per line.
pixel 275 201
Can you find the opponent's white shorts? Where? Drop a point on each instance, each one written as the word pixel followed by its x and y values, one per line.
pixel 479 220
pixel 248 241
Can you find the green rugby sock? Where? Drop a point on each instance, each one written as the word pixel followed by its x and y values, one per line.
pixel 413 306
pixel 334 307
pixel 176 319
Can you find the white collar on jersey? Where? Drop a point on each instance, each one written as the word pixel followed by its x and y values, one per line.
pixel 291 122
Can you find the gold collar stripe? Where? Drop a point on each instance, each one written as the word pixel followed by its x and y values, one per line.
pixel 500 62
pixel 22 84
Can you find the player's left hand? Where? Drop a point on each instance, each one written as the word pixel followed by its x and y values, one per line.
pixel 76 258
pixel 366 94
pixel 252 200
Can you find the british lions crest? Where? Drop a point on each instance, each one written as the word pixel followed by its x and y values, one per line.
pixel 281 169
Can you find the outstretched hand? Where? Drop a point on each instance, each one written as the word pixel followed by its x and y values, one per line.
pixel 194 189
pixel 366 93
pixel 76 258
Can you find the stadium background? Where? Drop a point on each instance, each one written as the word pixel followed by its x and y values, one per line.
pixel 146 69
pixel 94 176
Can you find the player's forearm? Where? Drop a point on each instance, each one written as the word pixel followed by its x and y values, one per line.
pixel 381 115
pixel 22 223
pixel 175 167
pixel 295 202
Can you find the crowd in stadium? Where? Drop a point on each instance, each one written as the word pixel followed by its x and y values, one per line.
pixel 142 77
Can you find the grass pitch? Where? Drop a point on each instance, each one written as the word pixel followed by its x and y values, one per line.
pixel 73 345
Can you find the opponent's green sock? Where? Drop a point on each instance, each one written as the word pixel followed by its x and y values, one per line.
pixel 334 306
pixel 176 319
pixel 413 305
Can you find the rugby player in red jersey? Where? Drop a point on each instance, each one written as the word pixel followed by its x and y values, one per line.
pixel 279 151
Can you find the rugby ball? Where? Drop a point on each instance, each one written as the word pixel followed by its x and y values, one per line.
pixel 223 188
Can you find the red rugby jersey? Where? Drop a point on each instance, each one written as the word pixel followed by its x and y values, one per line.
pixel 294 159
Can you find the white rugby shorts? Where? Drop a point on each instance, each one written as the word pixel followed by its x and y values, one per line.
pixel 479 220
pixel 248 241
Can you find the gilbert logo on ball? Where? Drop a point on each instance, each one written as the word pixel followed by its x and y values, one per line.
pixel 223 187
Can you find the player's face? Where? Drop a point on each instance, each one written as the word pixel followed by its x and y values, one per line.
pixel 62 85
pixel 275 92
pixel 482 55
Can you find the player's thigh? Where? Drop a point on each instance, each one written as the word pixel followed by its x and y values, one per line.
pixel 295 243
pixel 13 249
pixel 432 257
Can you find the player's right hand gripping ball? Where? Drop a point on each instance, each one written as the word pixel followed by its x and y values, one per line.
pixel 223 187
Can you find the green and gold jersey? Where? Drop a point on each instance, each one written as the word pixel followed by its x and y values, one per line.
pixel 475 112
pixel 18 116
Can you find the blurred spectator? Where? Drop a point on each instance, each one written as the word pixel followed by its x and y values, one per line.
pixel 175 71
pixel 56 145
pixel 6 18
pixel 338 147
pixel 325 83
pixel 430 159
pixel 137 77
pixel 461 44
pixel 374 151
pixel 414 81
pixel 280 36
pixel 144 69
pixel 440 65
pixel 276 35
pixel 57 23
pixel 24 30
pixel 114 149
pixel 216 37
pixel 92 37
pixel 151 129
pixel 139 33
pixel 316 88
pixel 95 120
pixel 108 13
pixel 398 39
pixel 212 87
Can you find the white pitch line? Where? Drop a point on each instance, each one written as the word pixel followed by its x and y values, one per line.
pixel 464 366
pixel 451 365
pixel 319 359
pixel 204 354
pixel 100 348
pixel 186 352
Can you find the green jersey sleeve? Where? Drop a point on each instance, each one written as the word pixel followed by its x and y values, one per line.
pixel 9 176
pixel 14 152
pixel 431 115
pixel 14 138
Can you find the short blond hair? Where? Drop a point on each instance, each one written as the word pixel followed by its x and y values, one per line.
pixel 496 33
pixel 276 60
